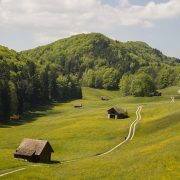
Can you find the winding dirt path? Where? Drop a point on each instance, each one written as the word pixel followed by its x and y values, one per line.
pixel 20 169
pixel 130 134
pixel 134 125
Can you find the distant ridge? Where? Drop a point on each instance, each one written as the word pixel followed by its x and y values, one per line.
pixel 97 46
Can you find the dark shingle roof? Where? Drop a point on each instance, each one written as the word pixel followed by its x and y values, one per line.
pixel 28 147
pixel 104 98
pixel 118 110
pixel 78 105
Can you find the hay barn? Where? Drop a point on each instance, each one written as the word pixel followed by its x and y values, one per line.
pixel 104 98
pixel 34 151
pixel 78 105
pixel 14 117
pixel 117 113
pixel 157 93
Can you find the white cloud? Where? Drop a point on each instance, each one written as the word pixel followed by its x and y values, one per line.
pixel 51 19
pixel 124 3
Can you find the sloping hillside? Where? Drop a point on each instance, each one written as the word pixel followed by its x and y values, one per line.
pixel 25 84
pixel 82 133
pixel 83 51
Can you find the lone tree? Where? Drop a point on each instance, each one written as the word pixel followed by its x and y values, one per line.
pixel 125 84
pixel 142 85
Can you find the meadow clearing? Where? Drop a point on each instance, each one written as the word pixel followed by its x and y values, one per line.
pixel 82 133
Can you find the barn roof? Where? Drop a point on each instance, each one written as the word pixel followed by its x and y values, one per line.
pixel 105 97
pixel 78 105
pixel 28 147
pixel 118 110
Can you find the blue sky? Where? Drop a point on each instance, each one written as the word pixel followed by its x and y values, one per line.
pixel 26 24
pixel 165 36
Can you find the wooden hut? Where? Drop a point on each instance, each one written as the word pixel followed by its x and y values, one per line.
pixel 78 106
pixel 117 113
pixel 104 98
pixel 14 117
pixel 157 93
pixel 34 151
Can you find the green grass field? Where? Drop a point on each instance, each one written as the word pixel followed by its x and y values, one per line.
pixel 80 133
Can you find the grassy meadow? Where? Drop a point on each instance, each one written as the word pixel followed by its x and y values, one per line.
pixel 82 133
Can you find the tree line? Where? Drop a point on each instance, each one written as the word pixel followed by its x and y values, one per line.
pixel 25 84
pixel 100 62
pixel 144 82
pixel 57 71
pixel 147 80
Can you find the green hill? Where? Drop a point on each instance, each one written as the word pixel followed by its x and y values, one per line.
pixel 95 49
pixel 100 62
pixel 25 84
pixel 58 70
pixel 80 133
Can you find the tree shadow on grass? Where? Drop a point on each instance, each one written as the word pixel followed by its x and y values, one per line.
pixel 28 116
pixel 33 114
pixel 54 162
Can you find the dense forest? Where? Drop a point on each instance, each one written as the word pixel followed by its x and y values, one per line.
pixel 57 71
pixel 100 62
pixel 25 84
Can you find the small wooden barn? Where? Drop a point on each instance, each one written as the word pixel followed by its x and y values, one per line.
pixel 78 106
pixel 34 150
pixel 157 93
pixel 104 98
pixel 117 113
pixel 14 117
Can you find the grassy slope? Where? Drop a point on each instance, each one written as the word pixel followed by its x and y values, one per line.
pixel 74 133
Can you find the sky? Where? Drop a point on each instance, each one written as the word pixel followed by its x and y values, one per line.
pixel 25 24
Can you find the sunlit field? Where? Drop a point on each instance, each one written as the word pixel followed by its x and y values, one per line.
pixel 84 132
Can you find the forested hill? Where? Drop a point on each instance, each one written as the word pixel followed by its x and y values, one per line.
pixel 101 62
pixel 57 71
pixel 83 51
pixel 25 84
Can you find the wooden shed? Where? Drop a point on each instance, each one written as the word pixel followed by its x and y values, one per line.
pixel 34 150
pixel 157 93
pixel 104 98
pixel 78 105
pixel 117 113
